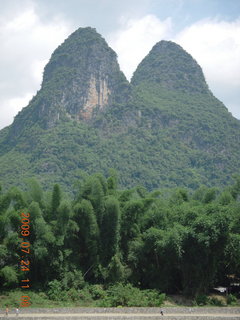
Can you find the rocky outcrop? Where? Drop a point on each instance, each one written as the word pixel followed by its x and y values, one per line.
pixel 97 97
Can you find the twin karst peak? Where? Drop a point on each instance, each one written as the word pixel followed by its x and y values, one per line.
pixel 165 128
pixel 83 77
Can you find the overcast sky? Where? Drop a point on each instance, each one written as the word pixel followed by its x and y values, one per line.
pixel 31 29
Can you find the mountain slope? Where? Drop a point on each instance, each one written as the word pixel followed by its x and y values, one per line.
pixel 171 86
pixel 164 129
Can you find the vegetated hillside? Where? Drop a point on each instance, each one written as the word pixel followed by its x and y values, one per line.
pixel 163 129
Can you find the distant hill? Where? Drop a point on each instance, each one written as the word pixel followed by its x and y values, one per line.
pixel 164 129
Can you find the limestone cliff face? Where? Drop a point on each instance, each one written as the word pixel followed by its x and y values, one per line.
pixel 98 96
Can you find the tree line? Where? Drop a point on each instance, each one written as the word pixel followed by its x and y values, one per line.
pixel 175 241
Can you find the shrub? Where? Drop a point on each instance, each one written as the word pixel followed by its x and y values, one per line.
pixel 9 276
pixel 201 299
pixel 73 294
pixel 231 299
pixel 73 280
pixel 97 291
pixel 216 302
pixel 155 299
pixel 129 296
pixel 10 298
pixel 85 296
pixel 55 291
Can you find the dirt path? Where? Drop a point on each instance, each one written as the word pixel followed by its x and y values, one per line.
pixel 118 315
pixel 136 313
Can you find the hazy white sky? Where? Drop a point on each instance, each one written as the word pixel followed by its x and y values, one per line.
pixel 31 29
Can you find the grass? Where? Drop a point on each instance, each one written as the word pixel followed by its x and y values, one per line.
pixel 211 300
pixel 84 298
pixel 38 300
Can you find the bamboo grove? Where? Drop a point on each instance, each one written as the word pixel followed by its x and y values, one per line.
pixel 175 241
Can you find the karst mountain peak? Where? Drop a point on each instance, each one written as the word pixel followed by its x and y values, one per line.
pixel 84 74
pixel 172 68
pixel 81 78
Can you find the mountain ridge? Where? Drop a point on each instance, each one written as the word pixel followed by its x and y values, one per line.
pixel 164 128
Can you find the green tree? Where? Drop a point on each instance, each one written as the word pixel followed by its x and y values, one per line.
pixel 204 249
pixel 116 270
pixel 56 199
pixel 210 195
pixel 34 191
pixel 225 198
pixel 112 181
pixel 110 231
pixel 88 236
pixel 93 190
pixel 9 276
pixel 130 228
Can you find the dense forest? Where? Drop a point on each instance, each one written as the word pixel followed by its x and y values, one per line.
pixel 170 240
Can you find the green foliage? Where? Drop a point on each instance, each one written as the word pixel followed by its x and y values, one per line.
pixel 231 299
pixel 169 66
pixel 116 270
pixel 235 189
pixel 209 196
pixel 97 292
pixel 201 300
pixel 110 231
pixel 216 302
pixel 56 198
pixel 112 181
pixel 128 296
pixel 35 191
pixel 225 198
pixel 55 291
pixel 163 130
pixel 73 294
pixel 9 276
pixel 168 241
pixel 88 235
pixel 73 280
pixel 179 196
pixel 64 213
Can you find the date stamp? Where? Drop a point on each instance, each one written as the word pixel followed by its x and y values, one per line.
pixel 25 256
